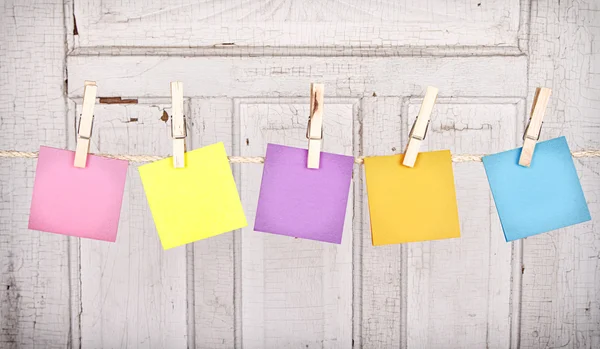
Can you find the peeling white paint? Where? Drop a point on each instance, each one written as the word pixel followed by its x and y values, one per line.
pixel 246 68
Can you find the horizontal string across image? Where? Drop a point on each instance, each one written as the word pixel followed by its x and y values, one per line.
pixel 261 159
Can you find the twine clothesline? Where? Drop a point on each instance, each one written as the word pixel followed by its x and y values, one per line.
pixel 261 159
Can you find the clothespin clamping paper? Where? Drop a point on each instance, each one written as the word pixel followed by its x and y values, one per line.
pixel 178 126
pixel 419 127
pixel 534 127
pixel 86 122
pixel 314 132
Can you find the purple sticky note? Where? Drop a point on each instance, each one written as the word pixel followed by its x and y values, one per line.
pixel 83 202
pixel 301 202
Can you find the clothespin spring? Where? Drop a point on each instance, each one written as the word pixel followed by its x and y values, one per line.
pixel 179 136
pixel 79 126
pixel 410 135
pixel 320 138
pixel 531 137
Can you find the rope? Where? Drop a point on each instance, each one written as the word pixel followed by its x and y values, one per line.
pixel 261 159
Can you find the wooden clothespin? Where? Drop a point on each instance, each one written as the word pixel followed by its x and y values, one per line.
pixel 178 127
pixel 314 132
pixel 534 127
pixel 419 127
pixel 86 122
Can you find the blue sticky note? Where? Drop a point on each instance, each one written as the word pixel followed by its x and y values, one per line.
pixel 536 199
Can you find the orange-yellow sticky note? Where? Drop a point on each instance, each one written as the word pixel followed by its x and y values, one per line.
pixel 412 204
pixel 195 202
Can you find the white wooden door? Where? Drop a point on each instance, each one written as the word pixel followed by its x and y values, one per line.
pixel 246 68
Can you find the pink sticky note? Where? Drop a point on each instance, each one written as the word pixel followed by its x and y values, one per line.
pixel 83 202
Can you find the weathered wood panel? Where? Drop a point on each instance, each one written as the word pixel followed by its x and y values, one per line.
pixel 289 76
pixel 233 305
pixel 214 265
pixel 409 292
pixel 380 287
pixel 468 279
pixel 34 266
pixel 295 292
pixel 561 270
pixel 133 293
pixel 294 24
pixel 58 292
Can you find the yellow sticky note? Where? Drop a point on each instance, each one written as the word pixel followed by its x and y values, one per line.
pixel 195 202
pixel 412 204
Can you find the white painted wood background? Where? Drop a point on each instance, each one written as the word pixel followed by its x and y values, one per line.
pixel 246 68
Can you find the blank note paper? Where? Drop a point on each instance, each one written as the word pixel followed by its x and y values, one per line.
pixel 82 202
pixel 301 202
pixel 412 204
pixel 536 199
pixel 195 202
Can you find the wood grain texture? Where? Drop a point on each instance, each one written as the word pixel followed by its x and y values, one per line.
pixel 214 287
pixel 352 23
pixel 560 305
pixel 246 67
pixel 409 291
pixel 379 289
pixel 469 278
pixel 34 266
pixel 289 76
pixel 295 292
pixel 133 293
pixel 561 269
